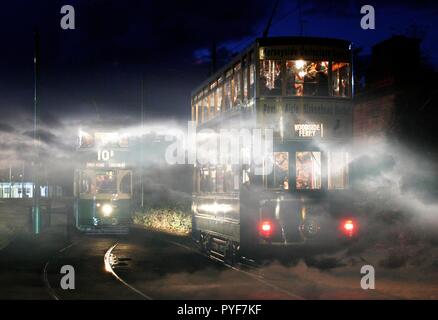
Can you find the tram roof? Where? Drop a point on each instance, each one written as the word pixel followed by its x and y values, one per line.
pixel 278 41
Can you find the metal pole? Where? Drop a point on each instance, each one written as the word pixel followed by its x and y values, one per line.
pixel 22 180
pixel 10 181
pixel 36 188
pixel 141 145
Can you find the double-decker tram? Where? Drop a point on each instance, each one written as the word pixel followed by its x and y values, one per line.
pixel 103 182
pixel 300 88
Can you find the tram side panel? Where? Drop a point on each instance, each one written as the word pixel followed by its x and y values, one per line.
pixel 217 216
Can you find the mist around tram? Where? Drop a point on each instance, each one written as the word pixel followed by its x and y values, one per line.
pixel 292 163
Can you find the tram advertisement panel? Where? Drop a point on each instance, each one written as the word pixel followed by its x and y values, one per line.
pixel 104 150
pixel 315 52
pixel 309 118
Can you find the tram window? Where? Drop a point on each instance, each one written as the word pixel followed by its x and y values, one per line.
pixel 270 77
pixel 220 179
pixel 279 178
pixel 227 88
pixel 86 140
pixel 86 184
pixel 211 104
pixel 125 184
pixel 205 183
pixel 208 180
pixel 308 170
pixel 337 169
pixel 236 85
pixel 306 78
pixel 106 182
pixel 251 79
pixel 203 177
pixel 228 179
pixel 123 141
pixel 212 184
pixel 246 171
pixel 219 98
pixel 199 116
pixel 245 79
pixel 245 84
pixel 340 79
pixel 231 179
pixel 205 108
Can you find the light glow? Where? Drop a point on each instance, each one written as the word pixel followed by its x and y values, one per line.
pixel 107 209
pixel 215 207
pixel 349 227
pixel 266 228
pixel 299 64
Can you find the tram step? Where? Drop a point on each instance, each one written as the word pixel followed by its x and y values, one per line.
pixel 216 254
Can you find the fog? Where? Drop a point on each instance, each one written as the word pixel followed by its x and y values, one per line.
pixel 394 187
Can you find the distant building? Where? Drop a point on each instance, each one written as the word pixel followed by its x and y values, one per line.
pixel 16 183
pixel 394 71
pixel 17 190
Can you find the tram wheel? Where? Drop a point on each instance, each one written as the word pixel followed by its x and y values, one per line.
pixel 205 243
pixel 230 253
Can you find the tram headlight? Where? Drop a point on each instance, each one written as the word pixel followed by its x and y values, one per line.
pixel 107 209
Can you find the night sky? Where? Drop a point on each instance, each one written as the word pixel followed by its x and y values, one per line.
pixel 97 68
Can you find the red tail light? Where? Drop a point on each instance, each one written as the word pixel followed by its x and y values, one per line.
pixel 266 228
pixel 349 227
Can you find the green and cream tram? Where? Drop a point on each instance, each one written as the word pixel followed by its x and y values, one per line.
pixel 301 88
pixel 102 182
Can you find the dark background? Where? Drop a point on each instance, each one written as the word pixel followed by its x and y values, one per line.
pixel 97 68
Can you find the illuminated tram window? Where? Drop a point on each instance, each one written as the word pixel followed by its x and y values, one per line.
pixel 227 96
pixel 106 182
pixel 270 77
pixel 279 178
pixel 245 80
pixel 341 79
pixel 307 78
pixel 308 170
pixel 219 98
pixel 236 86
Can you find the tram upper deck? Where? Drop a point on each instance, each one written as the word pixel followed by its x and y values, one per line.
pixel 298 83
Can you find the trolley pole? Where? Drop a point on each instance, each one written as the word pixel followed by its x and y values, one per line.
pixel 36 212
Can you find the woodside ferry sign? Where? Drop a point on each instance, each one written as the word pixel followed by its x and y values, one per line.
pixel 309 130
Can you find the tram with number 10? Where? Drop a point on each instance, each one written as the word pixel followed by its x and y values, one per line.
pixel 103 182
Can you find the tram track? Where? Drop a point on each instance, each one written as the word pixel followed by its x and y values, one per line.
pixel 261 279
pixel 46 281
pixel 257 277
pixel 91 281
pixel 110 259
pixel 107 260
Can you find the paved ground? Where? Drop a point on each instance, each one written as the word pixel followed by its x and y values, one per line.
pixel 157 266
